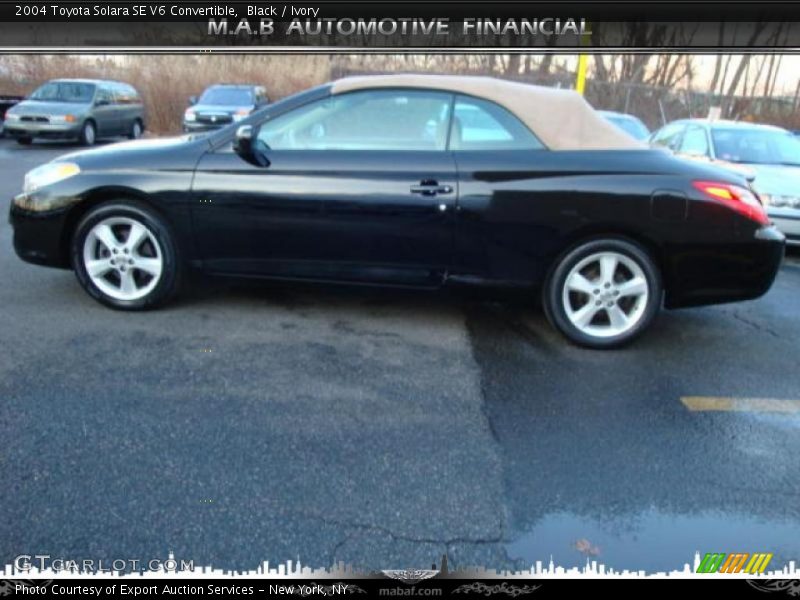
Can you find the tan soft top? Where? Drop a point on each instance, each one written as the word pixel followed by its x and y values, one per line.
pixel 561 119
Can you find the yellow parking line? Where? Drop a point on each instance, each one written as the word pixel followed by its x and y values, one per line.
pixel 721 403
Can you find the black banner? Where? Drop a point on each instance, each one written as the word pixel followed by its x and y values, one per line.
pixel 396 26
pixel 383 586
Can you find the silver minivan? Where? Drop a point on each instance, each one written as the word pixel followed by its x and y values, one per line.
pixel 79 109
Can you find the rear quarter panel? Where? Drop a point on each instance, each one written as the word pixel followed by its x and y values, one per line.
pixel 520 210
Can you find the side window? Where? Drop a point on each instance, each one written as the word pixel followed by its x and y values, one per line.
pixel 119 94
pixel 369 120
pixel 669 136
pixel 104 95
pixel 695 142
pixel 483 125
pixel 126 94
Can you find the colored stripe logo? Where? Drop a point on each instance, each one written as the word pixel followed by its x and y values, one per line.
pixel 742 562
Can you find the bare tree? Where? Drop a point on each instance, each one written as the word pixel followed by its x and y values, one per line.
pixel 744 61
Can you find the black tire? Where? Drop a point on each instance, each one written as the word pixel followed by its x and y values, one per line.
pixel 169 282
pixel 553 293
pixel 133 135
pixel 88 135
pixel 24 141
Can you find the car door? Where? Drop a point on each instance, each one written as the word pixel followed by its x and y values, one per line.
pixel 127 107
pixel 509 188
pixel 105 112
pixel 357 186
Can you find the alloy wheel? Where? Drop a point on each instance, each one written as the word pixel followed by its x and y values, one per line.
pixel 605 294
pixel 122 258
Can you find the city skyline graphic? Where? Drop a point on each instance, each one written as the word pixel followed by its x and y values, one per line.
pixel 294 569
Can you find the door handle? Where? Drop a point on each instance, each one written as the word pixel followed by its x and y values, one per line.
pixel 431 188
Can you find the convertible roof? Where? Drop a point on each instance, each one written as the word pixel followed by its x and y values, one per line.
pixel 561 119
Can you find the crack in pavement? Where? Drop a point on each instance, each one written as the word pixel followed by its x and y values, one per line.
pixel 757 326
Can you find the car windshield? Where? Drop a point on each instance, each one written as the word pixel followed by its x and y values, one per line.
pixel 65 91
pixel 756 146
pixel 631 126
pixel 227 96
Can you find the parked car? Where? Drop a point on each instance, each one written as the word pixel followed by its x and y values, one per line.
pixel 7 102
pixel 395 180
pixel 221 105
pixel 79 109
pixel 628 123
pixel 769 156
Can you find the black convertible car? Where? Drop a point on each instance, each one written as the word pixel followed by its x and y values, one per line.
pixel 410 180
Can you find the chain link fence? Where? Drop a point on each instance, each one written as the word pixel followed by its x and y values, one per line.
pixel 654 105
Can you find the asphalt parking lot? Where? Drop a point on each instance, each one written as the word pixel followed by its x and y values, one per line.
pixel 250 422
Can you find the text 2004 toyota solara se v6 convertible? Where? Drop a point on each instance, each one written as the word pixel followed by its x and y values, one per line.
pixel 410 180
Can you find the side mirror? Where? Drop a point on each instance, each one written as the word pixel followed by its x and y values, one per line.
pixel 101 103
pixel 243 142
pixel 244 146
pixel 192 100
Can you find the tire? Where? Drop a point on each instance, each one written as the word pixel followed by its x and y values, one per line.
pixel 127 274
pixel 88 135
pixel 137 129
pixel 603 293
pixel 25 141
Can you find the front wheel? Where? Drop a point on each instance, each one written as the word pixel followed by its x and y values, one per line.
pixel 603 293
pixel 125 256
pixel 88 134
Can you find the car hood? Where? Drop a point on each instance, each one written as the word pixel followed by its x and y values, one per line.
pixel 220 108
pixel 738 168
pixel 777 180
pixel 159 153
pixel 39 108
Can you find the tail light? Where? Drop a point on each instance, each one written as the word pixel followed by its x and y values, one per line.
pixel 736 197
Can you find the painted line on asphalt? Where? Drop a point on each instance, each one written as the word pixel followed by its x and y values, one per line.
pixel 722 403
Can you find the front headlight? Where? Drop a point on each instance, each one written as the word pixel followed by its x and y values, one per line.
pixel 49 174
pixel 12 117
pixel 241 114
pixel 62 118
pixel 189 115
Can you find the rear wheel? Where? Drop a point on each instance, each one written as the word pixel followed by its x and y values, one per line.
pixel 125 256
pixel 136 130
pixel 603 293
